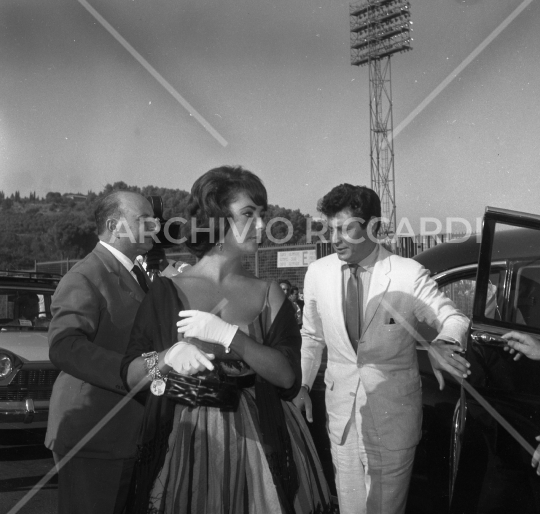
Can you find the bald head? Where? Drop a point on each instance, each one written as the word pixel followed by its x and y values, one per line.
pixel 120 220
pixel 110 206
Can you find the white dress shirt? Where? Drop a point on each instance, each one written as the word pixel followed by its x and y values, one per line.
pixel 124 261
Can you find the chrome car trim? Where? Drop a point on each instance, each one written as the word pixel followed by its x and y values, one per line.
pixel 30 410
pixel 439 276
pixel 29 378
pixel 27 411
pixel 489 329
pixel 458 426
pixel 468 267
pixel 487 339
pixel 21 406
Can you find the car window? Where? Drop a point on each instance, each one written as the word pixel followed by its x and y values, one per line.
pixel 25 308
pixel 461 291
pixel 526 295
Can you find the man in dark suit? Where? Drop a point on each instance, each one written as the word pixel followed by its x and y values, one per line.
pixel 93 309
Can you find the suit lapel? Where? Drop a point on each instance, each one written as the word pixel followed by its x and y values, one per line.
pixel 123 277
pixel 378 287
pixel 128 283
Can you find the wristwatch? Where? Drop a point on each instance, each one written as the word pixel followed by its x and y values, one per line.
pixel 151 359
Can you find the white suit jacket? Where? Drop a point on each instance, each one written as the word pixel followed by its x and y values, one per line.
pixel 386 363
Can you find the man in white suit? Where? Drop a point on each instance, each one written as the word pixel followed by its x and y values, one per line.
pixel 363 303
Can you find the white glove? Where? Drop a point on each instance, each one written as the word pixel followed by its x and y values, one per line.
pixel 206 327
pixel 187 359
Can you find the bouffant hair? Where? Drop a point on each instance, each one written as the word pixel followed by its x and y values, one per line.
pixel 362 201
pixel 209 201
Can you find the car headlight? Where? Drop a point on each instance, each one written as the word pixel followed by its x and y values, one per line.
pixel 6 365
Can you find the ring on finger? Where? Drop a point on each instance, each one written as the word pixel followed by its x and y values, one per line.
pixel 452 355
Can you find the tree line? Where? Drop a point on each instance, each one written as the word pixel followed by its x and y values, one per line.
pixel 58 227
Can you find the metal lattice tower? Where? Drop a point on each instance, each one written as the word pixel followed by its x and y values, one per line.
pixel 380 28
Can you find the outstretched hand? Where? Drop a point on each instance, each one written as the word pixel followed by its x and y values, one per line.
pixel 522 344
pixel 445 356
pixel 303 402
pixel 535 463
pixel 187 359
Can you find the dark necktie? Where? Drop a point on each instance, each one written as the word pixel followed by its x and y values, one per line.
pixel 139 273
pixel 352 307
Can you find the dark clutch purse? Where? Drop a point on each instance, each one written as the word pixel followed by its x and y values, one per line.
pixel 205 389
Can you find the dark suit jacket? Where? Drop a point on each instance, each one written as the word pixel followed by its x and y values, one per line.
pixel 93 309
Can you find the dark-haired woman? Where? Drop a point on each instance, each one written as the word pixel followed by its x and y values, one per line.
pixel 260 458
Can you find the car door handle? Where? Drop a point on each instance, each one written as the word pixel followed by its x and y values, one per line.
pixel 487 339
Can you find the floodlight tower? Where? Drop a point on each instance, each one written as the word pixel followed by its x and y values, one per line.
pixel 380 28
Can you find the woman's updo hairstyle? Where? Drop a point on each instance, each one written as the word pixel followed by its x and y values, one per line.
pixel 211 196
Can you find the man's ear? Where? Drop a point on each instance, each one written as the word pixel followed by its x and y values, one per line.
pixel 375 224
pixel 111 225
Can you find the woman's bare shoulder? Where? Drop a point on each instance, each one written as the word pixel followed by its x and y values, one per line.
pixel 276 297
pixel 190 285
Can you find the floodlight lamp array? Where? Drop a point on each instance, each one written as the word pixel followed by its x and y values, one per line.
pixel 379 28
pixel 364 9
pixel 363 58
pixel 394 15
pixel 380 35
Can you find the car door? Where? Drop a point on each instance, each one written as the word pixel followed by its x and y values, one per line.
pixel 499 413
pixel 441 408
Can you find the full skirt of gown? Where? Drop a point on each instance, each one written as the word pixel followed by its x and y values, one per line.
pixel 216 464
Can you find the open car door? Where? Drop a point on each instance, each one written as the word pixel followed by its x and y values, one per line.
pixel 491 457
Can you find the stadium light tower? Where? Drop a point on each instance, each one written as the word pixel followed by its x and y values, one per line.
pixel 380 28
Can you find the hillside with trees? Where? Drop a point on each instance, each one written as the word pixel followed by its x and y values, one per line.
pixel 61 226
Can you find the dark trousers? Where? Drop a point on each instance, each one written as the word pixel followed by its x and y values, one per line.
pixel 93 486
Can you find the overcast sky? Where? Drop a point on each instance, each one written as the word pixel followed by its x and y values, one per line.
pixel 273 79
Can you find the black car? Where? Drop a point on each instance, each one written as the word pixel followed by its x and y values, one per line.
pixel 451 465
pixel 499 415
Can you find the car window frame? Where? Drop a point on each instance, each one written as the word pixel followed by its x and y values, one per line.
pixel 468 271
pixel 40 290
pixel 493 217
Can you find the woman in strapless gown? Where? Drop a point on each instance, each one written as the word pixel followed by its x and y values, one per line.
pixel 259 458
